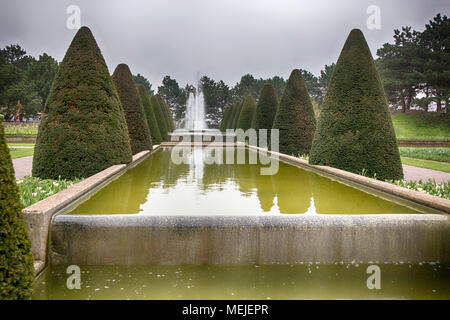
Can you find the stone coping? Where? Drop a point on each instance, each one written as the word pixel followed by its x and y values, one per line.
pixel 249 239
pixel 421 198
pixel 38 216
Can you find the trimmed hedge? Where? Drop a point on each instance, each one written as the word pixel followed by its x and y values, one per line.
pixel 159 115
pixel 247 113
pixel 295 117
pixel 266 109
pixel 16 260
pixel 83 128
pixel 150 115
pixel 355 131
pixel 140 138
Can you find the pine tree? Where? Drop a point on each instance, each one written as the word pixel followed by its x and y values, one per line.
pixel 150 114
pixel 140 138
pixel 295 117
pixel 83 128
pixel 355 131
pixel 16 260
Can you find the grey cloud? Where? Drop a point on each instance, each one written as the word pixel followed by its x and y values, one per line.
pixel 222 39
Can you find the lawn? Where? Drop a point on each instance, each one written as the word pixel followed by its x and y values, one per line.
pixel 13 144
pixel 422 126
pixel 21 152
pixel 435 154
pixel 434 165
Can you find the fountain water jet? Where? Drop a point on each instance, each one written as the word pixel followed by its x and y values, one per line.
pixel 195 112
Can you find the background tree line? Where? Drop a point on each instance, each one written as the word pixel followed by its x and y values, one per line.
pixel 415 69
pixel 415 72
pixel 218 94
pixel 24 82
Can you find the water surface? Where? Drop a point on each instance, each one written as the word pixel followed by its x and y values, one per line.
pixel 310 281
pixel 159 186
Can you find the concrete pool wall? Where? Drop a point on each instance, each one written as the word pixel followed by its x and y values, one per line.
pixel 284 239
pixel 165 239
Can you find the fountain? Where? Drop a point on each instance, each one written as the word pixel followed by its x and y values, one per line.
pixel 195 127
pixel 195 112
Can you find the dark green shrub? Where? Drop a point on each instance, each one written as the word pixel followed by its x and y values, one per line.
pixel 16 260
pixel 355 131
pixel 150 114
pixel 140 138
pixel 295 117
pixel 83 128
pixel 159 115
pixel 247 113
pixel 266 109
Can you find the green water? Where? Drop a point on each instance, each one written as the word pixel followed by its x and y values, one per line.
pixel 159 186
pixel 315 281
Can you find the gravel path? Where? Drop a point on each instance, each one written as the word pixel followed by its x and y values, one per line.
pixel 415 174
pixel 22 166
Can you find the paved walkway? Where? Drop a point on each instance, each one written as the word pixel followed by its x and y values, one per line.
pixel 415 174
pixel 22 166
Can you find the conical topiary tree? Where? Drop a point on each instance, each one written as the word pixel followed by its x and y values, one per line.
pixel 237 114
pixel 232 115
pixel 83 128
pixel 355 131
pixel 295 117
pixel 167 113
pixel 149 114
pixel 226 116
pixel 164 111
pixel 16 260
pixel 266 109
pixel 247 113
pixel 140 138
pixel 159 115
pixel 171 121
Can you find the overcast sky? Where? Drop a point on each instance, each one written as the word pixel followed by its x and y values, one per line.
pixel 223 39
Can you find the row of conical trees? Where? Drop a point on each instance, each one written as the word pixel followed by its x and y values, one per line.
pixel 354 131
pixel 92 120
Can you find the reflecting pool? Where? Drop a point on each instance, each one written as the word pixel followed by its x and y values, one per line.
pixel 158 185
